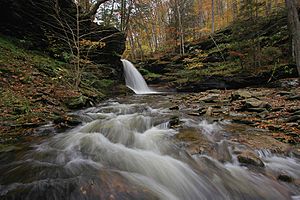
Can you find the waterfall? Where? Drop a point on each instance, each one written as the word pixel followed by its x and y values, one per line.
pixel 134 80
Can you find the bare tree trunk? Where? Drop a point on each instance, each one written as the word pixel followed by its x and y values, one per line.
pixel 268 7
pixel 235 9
pixel 294 25
pixel 123 11
pixel 78 73
pixel 181 30
pixel 132 44
pixel 212 16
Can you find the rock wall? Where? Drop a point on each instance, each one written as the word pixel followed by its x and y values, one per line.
pixel 49 25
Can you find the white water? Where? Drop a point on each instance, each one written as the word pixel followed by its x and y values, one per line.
pixel 125 140
pixel 134 80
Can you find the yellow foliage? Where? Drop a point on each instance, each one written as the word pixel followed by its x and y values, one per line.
pixel 194 65
pixel 90 43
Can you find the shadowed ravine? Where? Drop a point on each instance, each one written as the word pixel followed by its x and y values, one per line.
pixel 126 149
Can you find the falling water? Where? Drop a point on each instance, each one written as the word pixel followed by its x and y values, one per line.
pixel 134 80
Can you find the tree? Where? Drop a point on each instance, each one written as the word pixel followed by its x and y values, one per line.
pixel 294 26
pixel 212 16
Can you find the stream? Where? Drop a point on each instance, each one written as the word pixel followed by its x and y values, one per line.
pixel 127 148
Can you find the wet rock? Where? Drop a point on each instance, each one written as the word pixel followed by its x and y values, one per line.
pixel 293 118
pixel 296 112
pixel 174 121
pixel 250 158
pixel 211 98
pixel 8 148
pixel 188 135
pixel 223 154
pixel 263 114
pixel 240 94
pixel 273 127
pixel 214 91
pixel 285 178
pixel 174 107
pixel 293 110
pixel 292 124
pixel 255 103
pixel 284 93
pixel 258 110
pixel 209 111
pixel 277 109
pixel 293 97
pixel 201 110
pixel 76 102
pixel 66 121
pixel 194 114
pixel 237 114
pixel 240 121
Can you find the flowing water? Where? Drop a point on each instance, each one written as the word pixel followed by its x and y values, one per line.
pixel 134 80
pixel 126 149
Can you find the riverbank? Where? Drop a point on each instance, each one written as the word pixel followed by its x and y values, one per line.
pixel 273 111
pixel 37 89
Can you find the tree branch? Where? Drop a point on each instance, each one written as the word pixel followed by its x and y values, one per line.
pixel 94 9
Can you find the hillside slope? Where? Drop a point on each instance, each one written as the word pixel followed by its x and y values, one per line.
pixel 241 55
pixel 36 89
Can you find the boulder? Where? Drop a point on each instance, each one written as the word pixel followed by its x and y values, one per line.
pixel 293 118
pixel 209 111
pixel 240 94
pixel 76 102
pixel 174 107
pixel 250 158
pixel 223 154
pixel 255 103
pixel 285 177
pixel 211 98
pixel 174 121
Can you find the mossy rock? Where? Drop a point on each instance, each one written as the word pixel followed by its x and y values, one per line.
pixel 76 102
pixel 8 148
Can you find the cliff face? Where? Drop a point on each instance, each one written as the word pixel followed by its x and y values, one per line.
pixel 51 24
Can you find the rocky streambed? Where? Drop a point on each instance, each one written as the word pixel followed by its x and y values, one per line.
pixel 217 144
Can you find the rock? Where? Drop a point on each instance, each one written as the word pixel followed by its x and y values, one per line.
pixel 292 124
pixel 8 148
pixel 293 97
pixel 250 158
pixel 285 178
pixel 273 127
pixel 263 114
pixel 174 107
pixel 76 102
pixel 240 94
pixel 223 154
pixel 240 121
pixel 214 91
pixel 202 110
pixel 284 93
pixel 209 111
pixel 194 114
pixel 293 118
pixel 66 121
pixel 255 103
pixel 277 109
pixel 296 112
pixel 174 121
pixel 40 26
pixel 258 110
pixel 293 110
pixel 211 98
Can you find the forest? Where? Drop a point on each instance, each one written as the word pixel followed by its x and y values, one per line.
pixel 148 99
